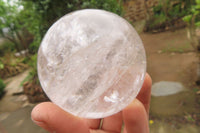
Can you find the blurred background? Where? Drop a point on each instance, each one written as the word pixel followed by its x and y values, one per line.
pixel 170 30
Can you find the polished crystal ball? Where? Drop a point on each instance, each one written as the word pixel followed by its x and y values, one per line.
pixel 91 63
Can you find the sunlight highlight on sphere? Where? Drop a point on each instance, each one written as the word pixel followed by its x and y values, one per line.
pixel 91 63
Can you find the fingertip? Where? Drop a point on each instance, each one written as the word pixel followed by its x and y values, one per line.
pixel 39 110
pixel 148 81
pixel 133 109
pixel 39 116
pixel 146 87
pixel 54 119
pixel 135 118
pixel 144 95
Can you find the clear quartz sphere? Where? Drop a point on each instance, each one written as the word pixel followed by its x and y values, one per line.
pixel 91 63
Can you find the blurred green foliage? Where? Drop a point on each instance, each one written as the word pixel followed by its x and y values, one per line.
pixel 33 64
pixel 32 77
pixel 193 15
pixel 1 65
pixel 13 24
pixel 168 11
pixel 2 86
pixel 6 47
pixel 193 22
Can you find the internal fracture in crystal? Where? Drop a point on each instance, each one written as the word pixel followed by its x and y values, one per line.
pixel 91 63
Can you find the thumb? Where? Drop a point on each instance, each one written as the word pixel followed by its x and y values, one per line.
pixel 52 118
pixel 135 118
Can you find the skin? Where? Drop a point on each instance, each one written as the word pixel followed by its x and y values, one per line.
pixel 135 117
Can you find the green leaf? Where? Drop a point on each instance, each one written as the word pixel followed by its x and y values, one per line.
pixel 187 18
pixel 198 2
pixel 196 12
pixel 197 7
pixel 1 66
pixel 197 24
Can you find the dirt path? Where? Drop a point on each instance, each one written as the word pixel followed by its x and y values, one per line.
pixel 15 111
pixel 9 102
pixel 171 58
pixel 166 57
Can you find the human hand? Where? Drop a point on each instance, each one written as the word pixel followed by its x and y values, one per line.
pixel 135 117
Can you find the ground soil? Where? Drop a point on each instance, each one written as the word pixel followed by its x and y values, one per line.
pixel 170 57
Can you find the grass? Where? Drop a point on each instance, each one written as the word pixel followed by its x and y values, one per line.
pixel 189 118
pixel 176 49
pixel 6 47
pixel 2 86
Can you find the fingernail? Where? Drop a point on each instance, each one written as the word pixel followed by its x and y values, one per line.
pixel 39 123
pixel 44 125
